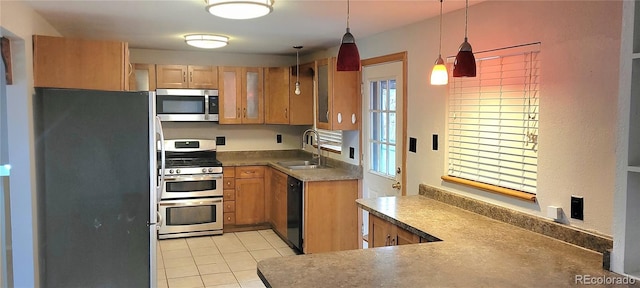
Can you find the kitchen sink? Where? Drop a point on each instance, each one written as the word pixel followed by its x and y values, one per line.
pixel 300 164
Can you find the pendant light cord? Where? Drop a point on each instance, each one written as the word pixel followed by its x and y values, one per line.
pixel 297 65
pixel 347 14
pixel 466 19
pixel 440 48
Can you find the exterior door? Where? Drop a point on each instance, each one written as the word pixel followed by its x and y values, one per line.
pixel 382 131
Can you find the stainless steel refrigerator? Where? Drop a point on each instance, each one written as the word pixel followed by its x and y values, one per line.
pixel 96 188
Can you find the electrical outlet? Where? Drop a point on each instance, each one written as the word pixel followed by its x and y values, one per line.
pixel 435 142
pixel 577 207
pixel 220 140
pixel 278 138
pixel 413 143
pixel 352 152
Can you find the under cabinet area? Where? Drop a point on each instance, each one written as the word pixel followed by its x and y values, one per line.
pixel 241 95
pixel 282 104
pixel 187 76
pixel 81 64
pixel 338 101
pixel 384 233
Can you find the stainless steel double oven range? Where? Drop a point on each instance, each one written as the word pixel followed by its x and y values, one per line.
pixel 192 190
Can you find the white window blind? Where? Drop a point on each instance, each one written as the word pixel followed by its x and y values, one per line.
pixel 493 122
pixel 330 139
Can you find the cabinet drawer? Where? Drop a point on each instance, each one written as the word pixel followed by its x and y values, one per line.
pixel 229 195
pixel 229 183
pixel 229 206
pixel 229 172
pixel 230 218
pixel 250 172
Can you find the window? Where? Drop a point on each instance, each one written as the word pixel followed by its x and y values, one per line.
pixel 330 140
pixel 382 134
pixel 493 123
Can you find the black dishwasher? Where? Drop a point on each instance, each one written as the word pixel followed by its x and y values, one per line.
pixel 294 212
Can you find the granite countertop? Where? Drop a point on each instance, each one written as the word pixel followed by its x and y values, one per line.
pixel 475 251
pixel 330 173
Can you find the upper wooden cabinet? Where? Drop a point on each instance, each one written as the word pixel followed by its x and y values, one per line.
pixel 82 64
pixel 143 77
pixel 187 76
pixel 339 97
pixel 241 95
pixel 282 105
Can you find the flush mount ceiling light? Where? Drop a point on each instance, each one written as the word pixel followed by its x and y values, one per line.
pixel 206 41
pixel 239 9
pixel 465 63
pixel 439 74
pixel 297 90
pixel 348 56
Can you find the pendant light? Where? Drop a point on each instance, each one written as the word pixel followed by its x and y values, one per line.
pixel 439 74
pixel 465 63
pixel 348 56
pixel 297 90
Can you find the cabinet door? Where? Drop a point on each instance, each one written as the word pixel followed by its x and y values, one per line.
pixel 249 201
pixel 322 80
pixel 345 99
pixel 279 202
pixel 301 106
pixel 203 77
pixel 252 96
pixel 171 76
pixel 60 62
pixel 230 95
pixel 277 95
pixel 405 237
pixel 143 77
pixel 380 232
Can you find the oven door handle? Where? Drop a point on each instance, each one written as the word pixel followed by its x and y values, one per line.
pixel 162 157
pixel 191 202
pixel 193 178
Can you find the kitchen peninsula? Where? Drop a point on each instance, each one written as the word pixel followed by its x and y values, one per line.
pixel 475 251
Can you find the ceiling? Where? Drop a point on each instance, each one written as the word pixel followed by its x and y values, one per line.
pixel 161 24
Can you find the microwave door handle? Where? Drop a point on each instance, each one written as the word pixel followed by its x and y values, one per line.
pixel 162 157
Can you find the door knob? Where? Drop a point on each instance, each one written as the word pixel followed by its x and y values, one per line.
pixel 396 186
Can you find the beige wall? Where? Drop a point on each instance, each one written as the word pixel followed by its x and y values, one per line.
pixel 19 23
pixel 579 88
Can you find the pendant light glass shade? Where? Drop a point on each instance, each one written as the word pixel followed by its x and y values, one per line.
pixel 348 55
pixel 465 63
pixel 206 41
pixel 439 75
pixel 239 9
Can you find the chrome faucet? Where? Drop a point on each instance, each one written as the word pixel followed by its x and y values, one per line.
pixel 317 141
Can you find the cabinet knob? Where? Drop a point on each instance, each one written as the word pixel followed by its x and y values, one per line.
pixel 190 76
pixel 238 112
pixel 184 76
pixel 285 113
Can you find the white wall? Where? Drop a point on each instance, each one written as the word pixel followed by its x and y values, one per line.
pixel 19 23
pixel 579 70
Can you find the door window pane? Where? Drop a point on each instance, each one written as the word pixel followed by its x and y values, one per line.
pixel 382 138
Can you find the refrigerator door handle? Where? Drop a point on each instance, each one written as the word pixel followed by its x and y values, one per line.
pixel 162 158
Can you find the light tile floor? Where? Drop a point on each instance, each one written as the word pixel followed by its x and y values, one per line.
pixel 227 260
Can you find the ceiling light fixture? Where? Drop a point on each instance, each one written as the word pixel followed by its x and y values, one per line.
pixel 206 41
pixel 439 74
pixel 348 56
pixel 465 63
pixel 239 9
pixel 297 90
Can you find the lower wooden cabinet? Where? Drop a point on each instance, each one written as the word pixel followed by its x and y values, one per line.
pixel 330 216
pixel 249 195
pixel 278 191
pixel 383 233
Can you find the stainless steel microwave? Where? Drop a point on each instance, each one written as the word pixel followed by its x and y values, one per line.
pixel 187 105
